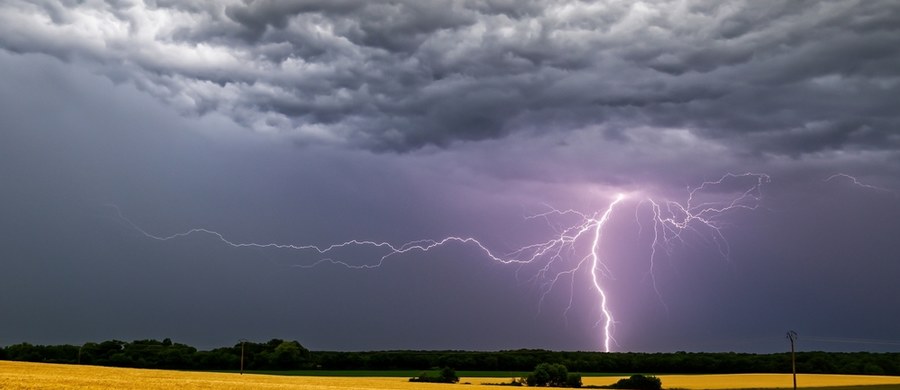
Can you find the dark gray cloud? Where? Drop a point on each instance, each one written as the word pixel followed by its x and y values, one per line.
pixel 776 77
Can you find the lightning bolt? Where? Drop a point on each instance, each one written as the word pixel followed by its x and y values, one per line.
pixel 702 212
pixel 557 257
pixel 595 265
pixel 671 219
pixel 855 181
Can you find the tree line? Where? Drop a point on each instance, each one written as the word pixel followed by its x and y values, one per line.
pixel 275 354
pixel 279 354
pixel 618 362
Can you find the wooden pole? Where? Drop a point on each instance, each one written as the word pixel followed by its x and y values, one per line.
pixel 791 335
pixel 242 358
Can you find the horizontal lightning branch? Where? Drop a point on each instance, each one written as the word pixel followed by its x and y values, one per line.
pixel 853 180
pixel 561 256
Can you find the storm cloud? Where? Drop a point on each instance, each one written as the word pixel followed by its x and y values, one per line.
pixel 788 77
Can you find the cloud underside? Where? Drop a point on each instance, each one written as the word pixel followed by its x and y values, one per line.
pixel 770 77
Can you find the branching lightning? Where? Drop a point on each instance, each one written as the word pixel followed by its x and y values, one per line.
pixel 573 248
pixel 702 210
pixel 855 181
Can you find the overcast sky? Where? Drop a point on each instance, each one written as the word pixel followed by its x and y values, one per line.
pixel 319 122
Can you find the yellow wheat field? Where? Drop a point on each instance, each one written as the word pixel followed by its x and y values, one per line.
pixel 20 375
pixel 740 381
pixel 783 381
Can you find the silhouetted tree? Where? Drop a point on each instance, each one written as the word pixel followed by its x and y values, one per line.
pixel 548 374
pixel 288 356
pixel 446 375
pixel 639 382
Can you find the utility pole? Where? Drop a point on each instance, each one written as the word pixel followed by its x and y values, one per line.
pixel 242 355
pixel 791 335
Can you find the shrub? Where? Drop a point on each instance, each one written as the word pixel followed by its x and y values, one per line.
pixel 515 382
pixel 547 374
pixel 446 375
pixel 639 382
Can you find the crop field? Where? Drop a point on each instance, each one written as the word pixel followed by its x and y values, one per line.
pixel 768 381
pixel 748 381
pixel 21 375
pixel 411 373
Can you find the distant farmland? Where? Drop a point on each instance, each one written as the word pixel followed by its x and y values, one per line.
pixel 21 375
